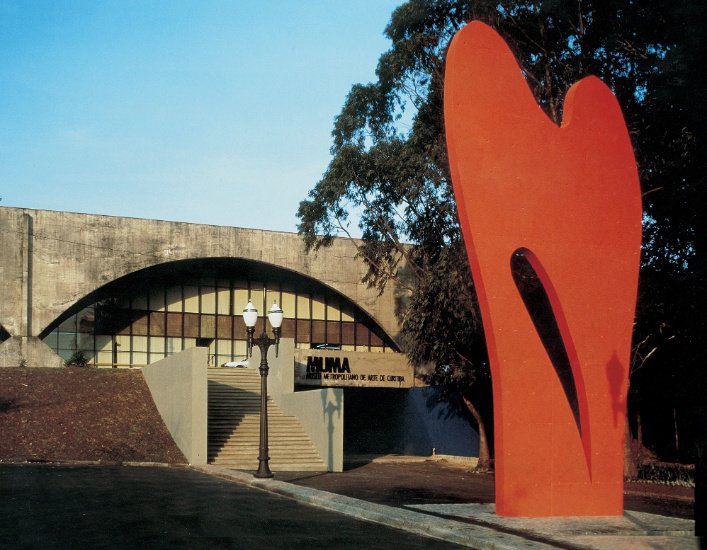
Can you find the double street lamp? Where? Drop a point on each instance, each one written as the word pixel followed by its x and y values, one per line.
pixel 250 317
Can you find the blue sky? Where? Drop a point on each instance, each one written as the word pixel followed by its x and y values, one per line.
pixel 202 111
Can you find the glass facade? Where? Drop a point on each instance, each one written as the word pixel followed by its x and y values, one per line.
pixel 146 322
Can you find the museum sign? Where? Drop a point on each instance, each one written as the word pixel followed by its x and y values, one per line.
pixel 334 368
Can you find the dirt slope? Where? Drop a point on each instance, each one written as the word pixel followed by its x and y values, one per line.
pixel 81 414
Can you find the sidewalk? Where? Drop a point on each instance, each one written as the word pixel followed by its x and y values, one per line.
pixel 447 501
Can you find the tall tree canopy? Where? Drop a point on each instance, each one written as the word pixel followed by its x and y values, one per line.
pixel 389 181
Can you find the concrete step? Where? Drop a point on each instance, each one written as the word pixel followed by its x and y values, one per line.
pixel 251 466
pixel 250 453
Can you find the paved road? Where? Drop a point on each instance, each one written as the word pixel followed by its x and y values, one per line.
pixel 50 506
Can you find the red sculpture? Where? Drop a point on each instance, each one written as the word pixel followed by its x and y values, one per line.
pixel 562 205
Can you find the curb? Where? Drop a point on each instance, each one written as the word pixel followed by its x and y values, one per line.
pixel 127 463
pixel 463 534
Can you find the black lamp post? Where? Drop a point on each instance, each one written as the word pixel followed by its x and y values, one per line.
pixel 250 317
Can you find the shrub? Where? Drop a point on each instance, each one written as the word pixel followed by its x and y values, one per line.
pixel 77 359
pixel 666 473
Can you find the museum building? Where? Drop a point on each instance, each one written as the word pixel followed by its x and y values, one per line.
pixel 131 293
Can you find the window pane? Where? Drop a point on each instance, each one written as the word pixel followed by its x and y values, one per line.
pixel 318 332
pixel 208 300
pixel 139 322
pixel 288 328
pixel 272 295
pixel 318 308
pixel 139 358
pixel 139 343
pixel 119 321
pixel 157 299
pixel 376 340
pixel 86 342
pixel 332 312
pixel 224 301
pixel 191 299
pixel 256 296
pixel 224 327
pixel 123 342
pixel 157 323
pixel 288 305
pixel 208 326
pixel 174 324
pixel 104 359
pixel 67 340
pixel 348 334
pixel 174 298
pixel 104 343
pixel 332 332
pixel 174 345
pixel 224 348
pixel 240 348
pixel 240 300
pixel 361 335
pixel 191 325
pixel 85 320
pixel 347 314
pixel 157 345
pixel 304 331
pixel 303 307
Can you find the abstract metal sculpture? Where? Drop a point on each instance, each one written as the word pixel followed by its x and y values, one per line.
pixel 560 206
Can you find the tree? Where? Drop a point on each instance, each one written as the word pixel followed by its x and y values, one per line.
pixel 389 173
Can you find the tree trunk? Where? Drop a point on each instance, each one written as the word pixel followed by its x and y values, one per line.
pixel 484 464
pixel 635 453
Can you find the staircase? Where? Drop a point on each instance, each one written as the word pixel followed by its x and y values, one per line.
pixel 234 426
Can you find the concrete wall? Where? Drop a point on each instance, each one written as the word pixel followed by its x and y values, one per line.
pixel 31 352
pixel 50 260
pixel 179 388
pixel 321 412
